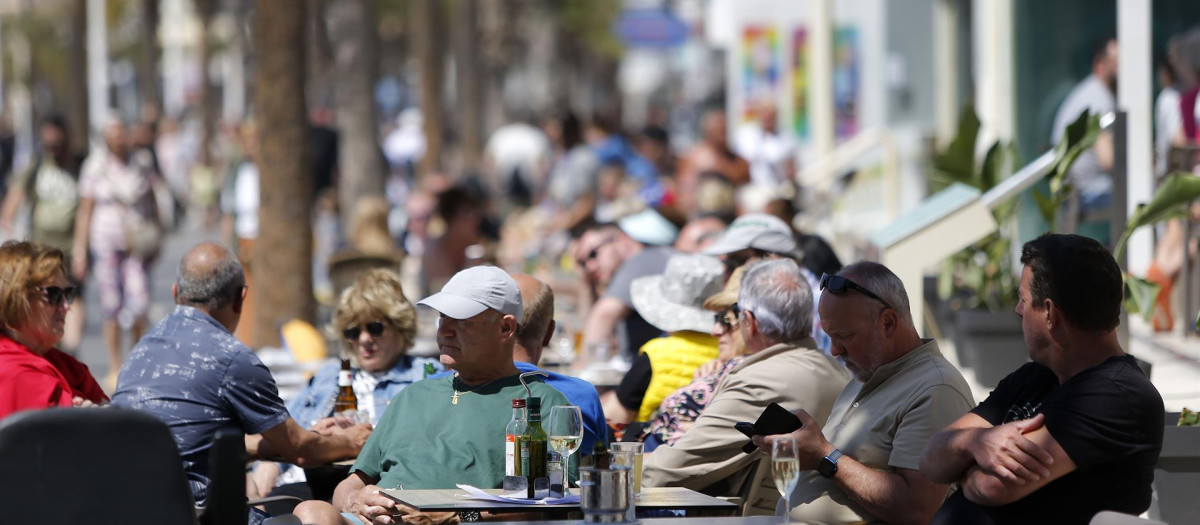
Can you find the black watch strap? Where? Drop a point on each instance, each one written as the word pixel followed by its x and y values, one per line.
pixel 829 464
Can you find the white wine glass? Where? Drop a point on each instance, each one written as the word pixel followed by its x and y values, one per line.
pixel 785 466
pixel 564 429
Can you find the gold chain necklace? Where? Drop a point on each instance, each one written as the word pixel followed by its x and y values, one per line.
pixel 457 392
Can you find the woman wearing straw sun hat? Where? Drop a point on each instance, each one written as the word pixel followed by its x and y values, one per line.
pixel 673 303
pixel 680 409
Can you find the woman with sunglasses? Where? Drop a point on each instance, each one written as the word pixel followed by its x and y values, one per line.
pixel 34 297
pixel 377 324
pixel 680 409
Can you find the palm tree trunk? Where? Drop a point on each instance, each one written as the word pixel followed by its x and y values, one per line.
pixel 468 78
pixel 147 74
pixel 78 119
pixel 282 256
pixel 427 30
pixel 206 9
pixel 351 28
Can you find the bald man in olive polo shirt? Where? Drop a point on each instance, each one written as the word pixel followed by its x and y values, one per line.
pixel 863 466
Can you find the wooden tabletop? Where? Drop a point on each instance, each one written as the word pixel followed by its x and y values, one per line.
pixel 443 500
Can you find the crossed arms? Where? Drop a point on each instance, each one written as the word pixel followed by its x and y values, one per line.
pixel 995 465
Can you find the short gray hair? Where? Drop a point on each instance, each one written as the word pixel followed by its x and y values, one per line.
pixel 882 282
pixel 210 288
pixel 781 299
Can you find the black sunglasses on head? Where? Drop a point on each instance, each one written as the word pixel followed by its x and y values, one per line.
pixel 55 295
pixel 837 285
pixel 375 328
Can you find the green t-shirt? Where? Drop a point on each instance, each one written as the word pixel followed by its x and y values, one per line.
pixel 423 441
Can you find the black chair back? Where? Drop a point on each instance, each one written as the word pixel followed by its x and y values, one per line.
pixel 227 483
pixel 72 466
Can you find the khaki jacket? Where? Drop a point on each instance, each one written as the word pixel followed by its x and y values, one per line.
pixel 709 457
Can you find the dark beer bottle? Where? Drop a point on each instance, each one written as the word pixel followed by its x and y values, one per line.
pixel 346 400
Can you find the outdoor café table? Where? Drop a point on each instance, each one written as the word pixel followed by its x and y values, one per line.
pixel 651 498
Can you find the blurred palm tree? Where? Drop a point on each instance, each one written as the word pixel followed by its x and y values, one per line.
pixel 282 258
pixel 148 52
pixel 355 42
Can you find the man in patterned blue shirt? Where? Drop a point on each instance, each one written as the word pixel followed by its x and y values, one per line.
pixel 194 375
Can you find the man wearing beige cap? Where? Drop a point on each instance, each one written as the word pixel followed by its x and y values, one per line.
pixel 445 430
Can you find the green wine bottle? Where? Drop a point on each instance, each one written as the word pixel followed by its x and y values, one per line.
pixel 533 447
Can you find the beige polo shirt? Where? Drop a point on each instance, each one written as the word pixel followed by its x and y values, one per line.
pixel 884 424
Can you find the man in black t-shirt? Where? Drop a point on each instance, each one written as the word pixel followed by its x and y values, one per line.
pixel 1075 432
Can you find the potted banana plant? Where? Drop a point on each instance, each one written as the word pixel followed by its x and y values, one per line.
pixel 978 286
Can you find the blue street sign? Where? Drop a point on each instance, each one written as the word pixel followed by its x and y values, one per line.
pixel 657 28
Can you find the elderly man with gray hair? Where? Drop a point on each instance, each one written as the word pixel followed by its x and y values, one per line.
pixel 774 311
pixel 864 466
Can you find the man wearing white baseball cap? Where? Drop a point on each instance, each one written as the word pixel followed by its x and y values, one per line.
pixel 753 236
pixel 443 431
pixel 757 236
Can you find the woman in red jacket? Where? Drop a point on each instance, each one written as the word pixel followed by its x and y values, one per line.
pixel 34 297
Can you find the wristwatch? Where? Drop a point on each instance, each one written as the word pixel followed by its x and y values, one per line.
pixel 828 466
pixel 469 516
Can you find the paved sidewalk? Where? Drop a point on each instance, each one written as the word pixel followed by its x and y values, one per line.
pixel 1176 362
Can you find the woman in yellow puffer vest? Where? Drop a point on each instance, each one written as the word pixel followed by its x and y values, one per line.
pixel 673 303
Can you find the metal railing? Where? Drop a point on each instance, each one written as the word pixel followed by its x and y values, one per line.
pixel 1031 173
pixel 822 173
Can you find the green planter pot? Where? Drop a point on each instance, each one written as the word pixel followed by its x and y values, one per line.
pixel 1177 476
pixel 991 343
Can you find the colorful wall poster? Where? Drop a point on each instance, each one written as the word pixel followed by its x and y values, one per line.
pixel 846 89
pixel 800 83
pixel 760 65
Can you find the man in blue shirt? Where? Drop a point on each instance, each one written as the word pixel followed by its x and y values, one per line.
pixel 533 334
pixel 194 375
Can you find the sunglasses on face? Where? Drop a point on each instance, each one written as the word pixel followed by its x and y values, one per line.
pixel 55 295
pixel 374 328
pixel 725 320
pixel 837 285
pixel 593 253
pixel 737 310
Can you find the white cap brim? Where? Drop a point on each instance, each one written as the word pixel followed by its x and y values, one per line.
pixel 453 306
pixel 725 245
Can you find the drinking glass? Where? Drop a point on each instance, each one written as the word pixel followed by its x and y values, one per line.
pixel 631 451
pixel 564 429
pixel 785 465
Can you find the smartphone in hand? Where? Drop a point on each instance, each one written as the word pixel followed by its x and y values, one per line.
pixel 774 420
pixel 746 428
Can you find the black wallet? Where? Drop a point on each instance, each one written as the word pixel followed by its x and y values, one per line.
pixel 773 420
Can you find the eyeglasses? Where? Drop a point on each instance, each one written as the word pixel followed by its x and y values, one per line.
pixel 724 320
pixel 837 285
pixel 375 328
pixel 55 295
